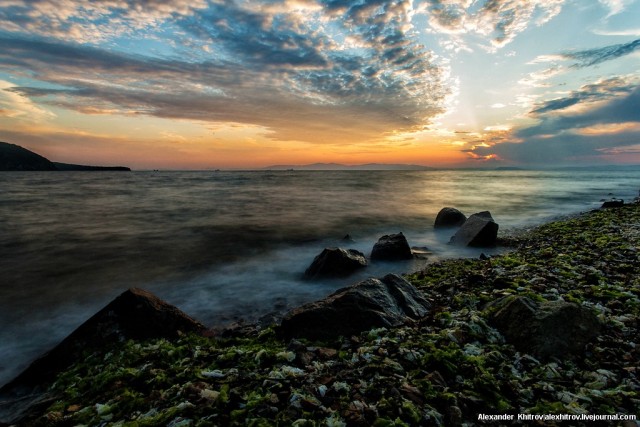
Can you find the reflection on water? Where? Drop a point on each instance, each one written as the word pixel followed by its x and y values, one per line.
pixel 231 245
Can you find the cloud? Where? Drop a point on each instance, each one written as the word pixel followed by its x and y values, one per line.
pixel 598 119
pixel 590 57
pixel 561 149
pixel 615 6
pixel 582 58
pixel 500 20
pixel 599 91
pixel 258 38
pixel 84 22
pixel 18 106
pixel 275 67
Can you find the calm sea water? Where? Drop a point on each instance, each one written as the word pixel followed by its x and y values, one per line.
pixel 226 246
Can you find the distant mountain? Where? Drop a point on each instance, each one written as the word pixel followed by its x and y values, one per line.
pixel 15 158
pixel 339 166
pixel 72 167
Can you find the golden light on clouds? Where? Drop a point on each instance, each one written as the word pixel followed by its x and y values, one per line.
pixel 236 84
pixel 608 129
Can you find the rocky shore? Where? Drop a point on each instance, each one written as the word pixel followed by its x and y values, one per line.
pixel 550 327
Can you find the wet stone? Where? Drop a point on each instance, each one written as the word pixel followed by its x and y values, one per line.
pixel 550 329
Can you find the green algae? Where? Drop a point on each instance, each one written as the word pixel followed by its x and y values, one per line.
pixel 443 370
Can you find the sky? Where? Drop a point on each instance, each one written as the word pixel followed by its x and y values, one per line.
pixel 197 84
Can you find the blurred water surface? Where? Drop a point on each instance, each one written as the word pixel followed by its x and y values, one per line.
pixel 225 246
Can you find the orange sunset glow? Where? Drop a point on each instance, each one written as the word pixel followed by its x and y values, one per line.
pixel 200 85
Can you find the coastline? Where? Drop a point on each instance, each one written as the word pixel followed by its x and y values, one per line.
pixel 446 369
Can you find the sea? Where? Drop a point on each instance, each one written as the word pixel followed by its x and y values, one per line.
pixel 232 246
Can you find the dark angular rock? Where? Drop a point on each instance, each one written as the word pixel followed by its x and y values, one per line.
pixel 135 314
pixel 391 247
pixel 449 217
pixel 390 301
pixel 483 214
pixel 479 230
pixel 550 329
pixel 335 262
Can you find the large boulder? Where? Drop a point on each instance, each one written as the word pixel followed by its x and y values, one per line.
pixel 479 230
pixel 449 217
pixel 386 302
pixel 550 329
pixel 135 314
pixel 391 247
pixel 335 262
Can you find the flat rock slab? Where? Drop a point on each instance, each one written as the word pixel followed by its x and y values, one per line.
pixel 551 329
pixel 479 230
pixel 336 262
pixel 386 302
pixel 391 247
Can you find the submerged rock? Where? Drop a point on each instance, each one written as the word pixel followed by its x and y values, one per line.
pixel 386 302
pixel 135 314
pixel 348 239
pixel 479 230
pixel 391 247
pixel 336 262
pixel 550 329
pixel 449 217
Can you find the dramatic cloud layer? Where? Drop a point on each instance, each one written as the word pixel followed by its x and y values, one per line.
pixel 599 118
pixel 272 66
pixel 375 77
pixel 502 21
pixel 587 58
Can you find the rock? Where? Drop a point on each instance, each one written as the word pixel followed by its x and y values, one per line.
pixel 479 230
pixel 550 329
pixel 613 203
pixel 335 262
pixel 483 214
pixel 421 252
pixel 386 302
pixel 449 217
pixel 391 247
pixel 135 314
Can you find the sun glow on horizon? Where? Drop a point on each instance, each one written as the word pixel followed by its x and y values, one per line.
pixel 233 85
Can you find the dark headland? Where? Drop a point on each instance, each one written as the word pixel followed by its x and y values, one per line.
pixel 549 329
pixel 16 158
